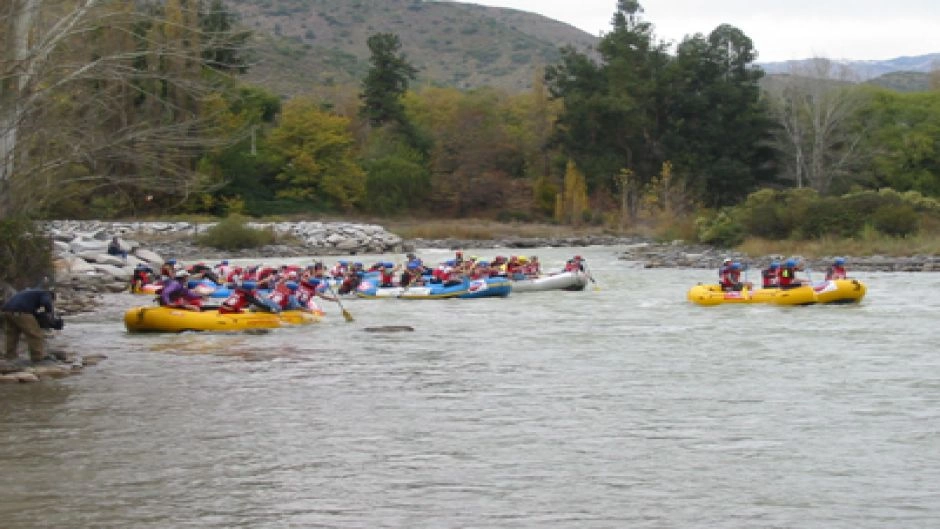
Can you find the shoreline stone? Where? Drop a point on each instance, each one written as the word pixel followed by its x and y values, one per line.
pixel 680 255
pixel 84 270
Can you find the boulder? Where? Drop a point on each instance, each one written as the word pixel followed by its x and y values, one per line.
pixel 150 257
pixel 81 245
pixel 349 244
pixel 77 265
pixel 114 271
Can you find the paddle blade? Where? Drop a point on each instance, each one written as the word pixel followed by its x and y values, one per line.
pixel 347 316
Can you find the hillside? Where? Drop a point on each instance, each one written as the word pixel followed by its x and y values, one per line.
pixel 300 45
pixel 320 45
pixel 865 70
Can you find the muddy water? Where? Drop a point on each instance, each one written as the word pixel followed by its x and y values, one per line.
pixel 619 406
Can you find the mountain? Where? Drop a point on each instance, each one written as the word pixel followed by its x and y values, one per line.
pixel 866 70
pixel 320 45
pixel 306 45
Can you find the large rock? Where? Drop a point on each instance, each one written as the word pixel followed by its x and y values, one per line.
pixel 77 265
pixel 82 245
pixel 114 271
pixel 150 257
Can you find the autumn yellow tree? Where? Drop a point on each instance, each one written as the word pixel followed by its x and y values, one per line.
pixel 319 156
pixel 572 203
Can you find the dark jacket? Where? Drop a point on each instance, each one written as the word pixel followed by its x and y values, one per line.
pixel 29 300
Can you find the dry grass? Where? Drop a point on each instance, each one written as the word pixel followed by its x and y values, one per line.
pixel 477 229
pixel 860 247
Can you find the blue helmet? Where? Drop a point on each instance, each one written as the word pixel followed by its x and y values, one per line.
pixel 774 265
pixel 735 266
pixel 248 285
pixel 790 263
pixel 291 285
pixel 839 261
pixel 388 264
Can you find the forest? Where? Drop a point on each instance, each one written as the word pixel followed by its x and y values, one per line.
pixel 125 109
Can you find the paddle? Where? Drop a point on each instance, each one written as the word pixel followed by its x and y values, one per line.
pixel 346 313
pixel 590 276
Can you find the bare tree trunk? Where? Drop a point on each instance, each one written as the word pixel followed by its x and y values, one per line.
pixel 14 82
pixel 813 107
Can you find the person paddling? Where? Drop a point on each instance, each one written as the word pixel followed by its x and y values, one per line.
pixel 837 269
pixel 770 276
pixel 788 277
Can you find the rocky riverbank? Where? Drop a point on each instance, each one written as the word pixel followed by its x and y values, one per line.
pixel 679 255
pixel 84 269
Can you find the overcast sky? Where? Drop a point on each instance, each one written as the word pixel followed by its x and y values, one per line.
pixel 780 29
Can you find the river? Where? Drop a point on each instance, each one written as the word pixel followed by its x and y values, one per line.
pixel 620 406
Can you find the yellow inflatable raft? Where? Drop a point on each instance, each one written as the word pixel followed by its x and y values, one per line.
pixel 833 291
pixel 168 319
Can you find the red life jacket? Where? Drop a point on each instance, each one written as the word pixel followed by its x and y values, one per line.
pixel 234 303
pixel 836 272
pixel 770 277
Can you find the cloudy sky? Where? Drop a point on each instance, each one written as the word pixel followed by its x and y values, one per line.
pixel 780 29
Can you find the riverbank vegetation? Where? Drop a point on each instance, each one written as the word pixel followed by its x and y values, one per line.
pixel 146 116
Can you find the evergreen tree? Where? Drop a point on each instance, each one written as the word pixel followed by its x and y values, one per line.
pixel 386 82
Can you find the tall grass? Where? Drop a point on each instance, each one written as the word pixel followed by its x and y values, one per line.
pixel 477 229
pixel 869 243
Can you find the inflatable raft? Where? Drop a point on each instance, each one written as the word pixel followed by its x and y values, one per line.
pixel 831 292
pixel 561 281
pixel 168 319
pixel 468 289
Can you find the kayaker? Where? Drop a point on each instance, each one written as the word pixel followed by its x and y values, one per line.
pixel 837 269
pixel 788 274
pixel 770 276
pixel 175 294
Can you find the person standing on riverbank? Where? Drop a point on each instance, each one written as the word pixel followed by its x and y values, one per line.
pixel 19 314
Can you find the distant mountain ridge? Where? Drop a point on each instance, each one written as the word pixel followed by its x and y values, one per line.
pixel 867 69
pixel 300 45
pixel 320 45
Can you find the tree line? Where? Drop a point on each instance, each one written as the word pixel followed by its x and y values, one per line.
pixel 115 108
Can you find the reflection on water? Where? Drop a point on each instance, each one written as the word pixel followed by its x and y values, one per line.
pixel 623 406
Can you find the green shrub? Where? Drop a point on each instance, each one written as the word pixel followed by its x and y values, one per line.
pixel 830 216
pixel 514 216
pixel 898 221
pixel 763 215
pixel 25 254
pixel 233 233
pixel 722 229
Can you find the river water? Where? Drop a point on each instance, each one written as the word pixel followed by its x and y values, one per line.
pixel 620 406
